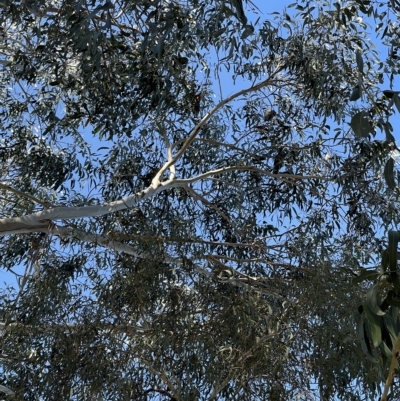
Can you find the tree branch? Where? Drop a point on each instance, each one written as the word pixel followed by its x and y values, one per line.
pixel 25 195
pixel 201 123
pixel 283 176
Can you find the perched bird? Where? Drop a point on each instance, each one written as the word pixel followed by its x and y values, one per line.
pixel 269 114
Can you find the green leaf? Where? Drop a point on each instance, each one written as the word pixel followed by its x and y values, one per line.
pixel 392 300
pixel 385 261
pixel 356 94
pixel 371 300
pixel 359 60
pixel 374 324
pixel 397 101
pixel 238 6
pixel 159 48
pixel 388 131
pixel 392 250
pixel 6 390
pixel 362 335
pixel 389 174
pixel 97 128
pixel 389 93
pixel 385 31
pixel 248 30
pixel 366 274
pixel 385 351
pixel 104 7
pixel 183 60
pixel 391 326
pixel 360 125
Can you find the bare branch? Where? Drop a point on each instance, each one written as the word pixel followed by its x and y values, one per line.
pixel 25 195
pixel 282 176
pixel 163 131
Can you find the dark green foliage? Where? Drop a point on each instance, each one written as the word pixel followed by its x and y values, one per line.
pixel 239 271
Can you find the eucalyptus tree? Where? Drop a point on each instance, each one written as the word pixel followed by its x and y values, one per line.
pixel 172 239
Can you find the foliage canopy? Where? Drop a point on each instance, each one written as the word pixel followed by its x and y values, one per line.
pixel 197 199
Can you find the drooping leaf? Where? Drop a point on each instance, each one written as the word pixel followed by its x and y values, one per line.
pixel 392 250
pixel 374 324
pixel 363 337
pixel 360 125
pixel 366 274
pixel 385 261
pixel 248 30
pixel 388 131
pixel 388 173
pixel 391 326
pixel 238 6
pixel 360 62
pixel 392 299
pixel 389 93
pixel 371 300
pixel 386 352
pixel 397 101
pixel 356 94
pixel 6 390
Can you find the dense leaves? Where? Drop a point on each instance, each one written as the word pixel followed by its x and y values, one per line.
pixel 193 203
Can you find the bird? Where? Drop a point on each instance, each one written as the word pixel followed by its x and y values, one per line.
pixel 269 114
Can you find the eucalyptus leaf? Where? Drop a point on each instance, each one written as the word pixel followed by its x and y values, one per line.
pixel 385 260
pixel 392 250
pixel 360 125
pixel 374 324
pixel 360 62
pixel 389 93
pixel 364 340
pixel 388 131
pixel 397 101
pixel 371 301
pixel 392 327
pixel 6 390
pixel 238 6
pixel 385 351
pixel 389 174
pixel 366 274
pixel 392 299
pixel 356 94
pixel 248 31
